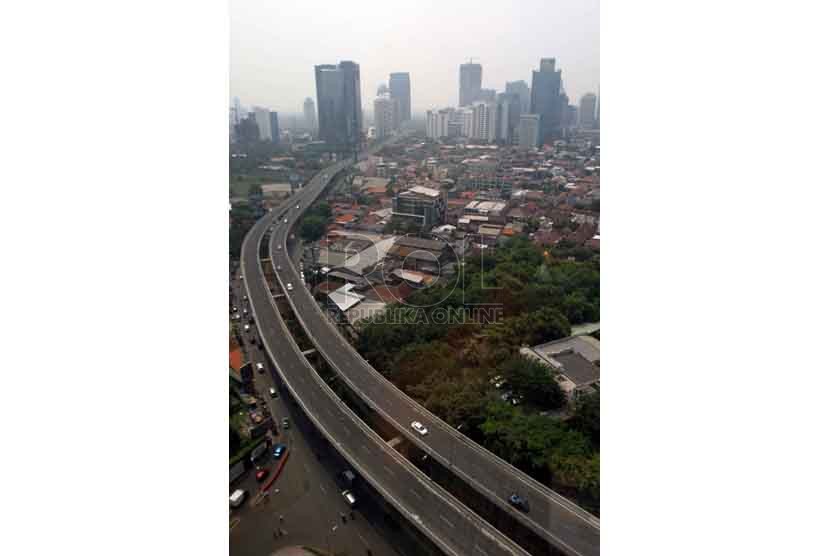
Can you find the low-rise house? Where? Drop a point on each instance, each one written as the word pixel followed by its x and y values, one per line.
pixel 574 361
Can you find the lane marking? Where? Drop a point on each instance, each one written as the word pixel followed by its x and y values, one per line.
pixel 323 488
pixel 480 549
pixel 389 471
pixel 416 494
pixel 447 521
pixel 364 540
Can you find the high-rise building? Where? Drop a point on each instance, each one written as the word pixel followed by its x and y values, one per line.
pixel 587 111
pixel 464 117
pixel 572 118
pixel 519 88
pixel 310 113
pixel 529 129
pixel 338 105
pixel 384 116
pixel 274 122
pixel 545 98
pixel 469 84
pixel 438 122
pixel 487 95
pixel 247 130
pixel 399 89
pixel 507 116
pixel 484 121
pixel 263 122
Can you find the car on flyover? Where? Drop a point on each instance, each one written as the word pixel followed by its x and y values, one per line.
pixel 519 502
pixel 419 428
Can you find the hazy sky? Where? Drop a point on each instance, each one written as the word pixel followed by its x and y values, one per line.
pixel 276 43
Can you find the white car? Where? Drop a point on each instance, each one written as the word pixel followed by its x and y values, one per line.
pixel 419 428
pixel 289 287
pixel 298 206
pixel 286 220
pixel 247 327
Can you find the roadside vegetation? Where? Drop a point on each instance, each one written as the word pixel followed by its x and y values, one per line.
pixel 453 368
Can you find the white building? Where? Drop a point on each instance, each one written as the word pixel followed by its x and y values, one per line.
pixel 263 122
pixel 384 116
pixel 438 122
pixel 465 119
pixel 529 131
pixel 484 121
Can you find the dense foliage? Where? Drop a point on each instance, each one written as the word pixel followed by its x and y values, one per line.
pixel 242 219
pixel 313 226
pixel 448 366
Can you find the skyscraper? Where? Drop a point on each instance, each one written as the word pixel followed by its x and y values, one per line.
pixel 469 84
pixel 399 90
pixel 384 116
pixel 587 111
pixel 529 131
pixel 507 118
pixel 338 105
pixel 263 122
pixel 545 98
pixel 519 88
pixel 484 121
pixel 310 113
pixel 274 122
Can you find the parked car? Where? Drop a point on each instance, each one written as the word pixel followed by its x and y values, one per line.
pixel 419 428
pixel 519 502
pixel 238 497
pixel 350 498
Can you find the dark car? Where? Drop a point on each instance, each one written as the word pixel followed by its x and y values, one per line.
pixel 519 502
pixel 261 474
pixel 279 450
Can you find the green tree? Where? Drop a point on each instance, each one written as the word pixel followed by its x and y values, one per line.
pixel 534 381
pixel 586 418
pixel 313 227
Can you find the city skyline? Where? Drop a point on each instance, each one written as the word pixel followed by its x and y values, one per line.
pixel 273 51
